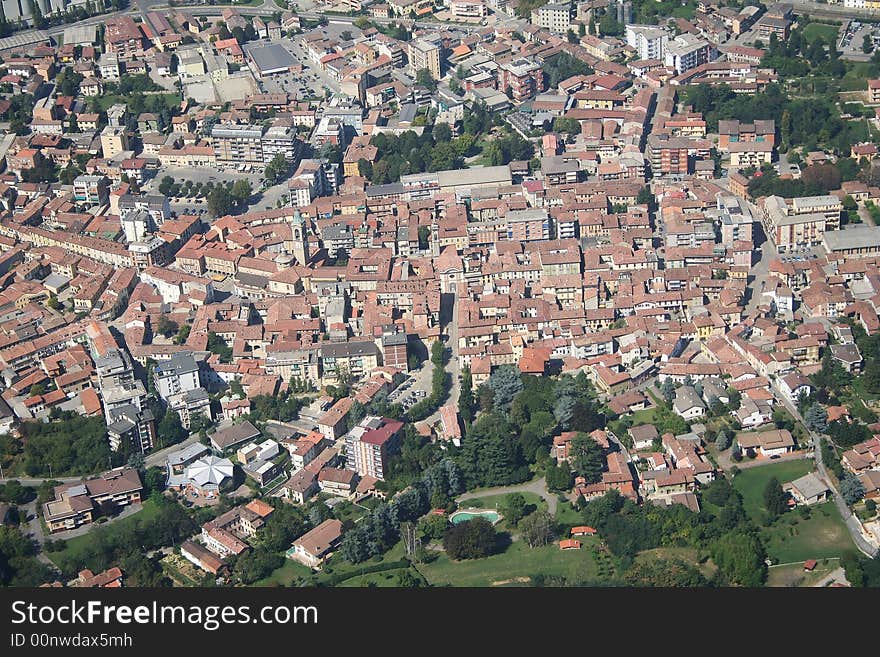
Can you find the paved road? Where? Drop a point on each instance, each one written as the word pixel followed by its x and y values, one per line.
pixel 727 463
pixel 28 481
pixel 852 523
pixel 158 458
pixel 154 459
pixel 536 486
pixel 836 576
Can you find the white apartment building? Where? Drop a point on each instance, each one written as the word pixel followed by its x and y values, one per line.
pixel 649 40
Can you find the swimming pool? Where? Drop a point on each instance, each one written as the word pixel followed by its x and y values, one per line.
pixel 470 514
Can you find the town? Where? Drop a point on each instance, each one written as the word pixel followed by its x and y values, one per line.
pixel 439 293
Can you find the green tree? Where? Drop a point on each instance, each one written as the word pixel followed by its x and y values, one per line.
pixel 775 499
pixel 171 429
pixel 536 529
pixel 740 557
pixel 166 327
pixel 851 488
pixel 505 383
pixel 816 418
pixel 587 458
pixel 472 539
pixel 220 202
pixel 242 191
pixel 514 508
pixel 466 396
pixel 558 477
pixel 425 79
pixel 182 334
pixel 609 26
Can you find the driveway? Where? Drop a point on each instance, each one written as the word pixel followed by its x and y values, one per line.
pixel 536 486
pixel 852 523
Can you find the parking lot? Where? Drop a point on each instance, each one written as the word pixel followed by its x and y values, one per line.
pixel 194 205
pixel 311 83
pixel 851 43
pixel 413 390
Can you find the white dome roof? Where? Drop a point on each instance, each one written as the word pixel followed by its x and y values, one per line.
pixel 209 470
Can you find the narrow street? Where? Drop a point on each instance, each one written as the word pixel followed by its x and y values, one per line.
pixel 852 523
pixel 536 486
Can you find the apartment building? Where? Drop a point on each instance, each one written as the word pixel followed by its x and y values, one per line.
pixel 687 51
pixel 528 225
pixel 91 190
pixel 82 503
pixel 423 54
pixel 669 156
pixel 554 16
pixel 238 144
pixel 113 141
pixel 523 77
pixel 368 445
pixel 648 40
pixel 791 230
pixel 468 8
pixel 124 37
pixel 735 131
pixel 177 374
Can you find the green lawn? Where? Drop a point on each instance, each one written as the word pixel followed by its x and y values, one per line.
pixel 644 416
pixel 286 575
pixel 792 538
pixel 795 576
pixel 567 516
pixel 385 579
pixel 827 32
pixel 74 548
pixel 335 568
pixel 687 555
pixel 514 566
pixel 498 501
pixel 752 481
pixel 348 511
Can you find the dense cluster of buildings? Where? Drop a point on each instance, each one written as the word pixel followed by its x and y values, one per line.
pixel 619 252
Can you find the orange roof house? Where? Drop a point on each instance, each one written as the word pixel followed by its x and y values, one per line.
pixel 569 544
pixel 583 530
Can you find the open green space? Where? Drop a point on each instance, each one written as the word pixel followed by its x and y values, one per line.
pixel 336 570
pixel 287 575
pixel 794 575
pixel 567 516
pixel 515 566
pixel 689 556
pixel 75 548
pixel 385 579
pixel 794 538
pixel 752 481
pixel 827 32
pixel 498 501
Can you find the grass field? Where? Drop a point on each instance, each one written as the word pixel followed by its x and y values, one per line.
pixel 827 32
pixel 514 566
pixel 567 516
pixel 498 501
pixel 793 538
pixel 286 575
pixel 795 575
pixel 388 578
pixel 644 416
pixel 75 546
pixel 752 481
pixel 336 568
pixel 687 555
